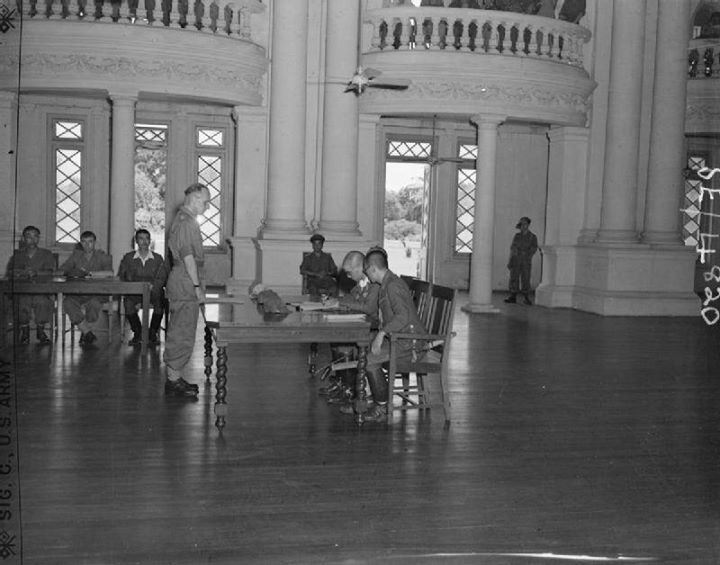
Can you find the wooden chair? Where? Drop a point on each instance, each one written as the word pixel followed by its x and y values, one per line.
pixel 420 291
pixel 433 349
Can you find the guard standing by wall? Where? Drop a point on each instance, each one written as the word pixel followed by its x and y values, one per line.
pixel 524 246
pixel 185 289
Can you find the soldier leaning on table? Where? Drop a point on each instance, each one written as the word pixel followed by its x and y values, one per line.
pixel 28 262
pixel 83 310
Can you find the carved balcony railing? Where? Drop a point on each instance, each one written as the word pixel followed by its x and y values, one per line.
pixel 706 65
pixel 484 32
pixel 224 17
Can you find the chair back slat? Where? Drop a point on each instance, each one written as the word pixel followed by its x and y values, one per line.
pixel 421 296
pixel 442 299
pixel 420 292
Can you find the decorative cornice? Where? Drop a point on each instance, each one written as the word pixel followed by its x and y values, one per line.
pixel 510 94
pixel 57 64
pixel 222 79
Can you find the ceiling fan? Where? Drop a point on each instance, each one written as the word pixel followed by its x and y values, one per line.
pixel 365 77
pixel 370 78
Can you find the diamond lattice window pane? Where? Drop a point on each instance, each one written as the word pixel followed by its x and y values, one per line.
pixel 68 184
pixel 691 212
pixel 155 134
pixel 210 174
pixel 68 130
pixel 465 212
pixel 696 163
pixel 467 152
pixel 409 149
pixel 210 137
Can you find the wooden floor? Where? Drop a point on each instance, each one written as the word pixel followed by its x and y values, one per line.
pixel 572 434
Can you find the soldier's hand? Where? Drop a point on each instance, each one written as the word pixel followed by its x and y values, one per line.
pixel 376 346
pixel 200 294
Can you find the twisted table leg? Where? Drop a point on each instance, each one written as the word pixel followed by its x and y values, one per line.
pixel 360 401
pixel 221 388
pixel 208 354
pixel 312 358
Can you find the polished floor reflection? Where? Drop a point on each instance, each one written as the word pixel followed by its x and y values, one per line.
pixel 572 435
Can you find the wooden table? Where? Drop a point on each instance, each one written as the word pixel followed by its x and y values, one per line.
pixel 247 323
pixel 108 287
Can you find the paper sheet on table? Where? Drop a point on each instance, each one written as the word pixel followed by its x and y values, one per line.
pixel 344 317
pixel 308 306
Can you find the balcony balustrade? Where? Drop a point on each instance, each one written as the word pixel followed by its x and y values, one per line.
pixel 483 32
pixel 464 61
pixel 705 66
pixel 229 18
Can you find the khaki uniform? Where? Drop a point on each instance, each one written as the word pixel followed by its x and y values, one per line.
pixel 43 263
pixel 184 239
pixel 77 265
pixel 397 314
pixel 523 247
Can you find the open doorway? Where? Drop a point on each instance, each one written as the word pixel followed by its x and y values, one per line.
pixel 406 213
pixel 150 181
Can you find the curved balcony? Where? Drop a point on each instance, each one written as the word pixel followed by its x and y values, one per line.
pixel 468 61
pixel 703 87
pixel 205 51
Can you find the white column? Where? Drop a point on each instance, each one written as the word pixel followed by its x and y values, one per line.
pixel 122 176
pixel 619 201
pixel 286 174
pixel 567 175
pixel 484 221
pixel 180 165
pixel 667 134
pixel 8 148
pixel 250 183
pixel 338 212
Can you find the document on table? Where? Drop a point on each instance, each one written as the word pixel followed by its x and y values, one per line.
pixel 308 306
pixel 350 317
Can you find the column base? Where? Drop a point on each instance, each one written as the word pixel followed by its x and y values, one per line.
pixel 620 280
pixel 280 229
pixel 617 236
pixel 480 309
pixel 339 230
pixel 587 236
pixel 661 238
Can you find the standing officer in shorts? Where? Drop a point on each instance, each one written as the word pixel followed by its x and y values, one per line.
pixel 185 290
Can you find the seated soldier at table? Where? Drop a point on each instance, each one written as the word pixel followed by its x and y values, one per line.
pixel 144 265
pixel 363 297
pixel 319 268
pixel 27 263
pixel 82 310
pixel 397 314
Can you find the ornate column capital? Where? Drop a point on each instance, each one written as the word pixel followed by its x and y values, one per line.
pixel 487 121
pixel 123 98
pixel 249 113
